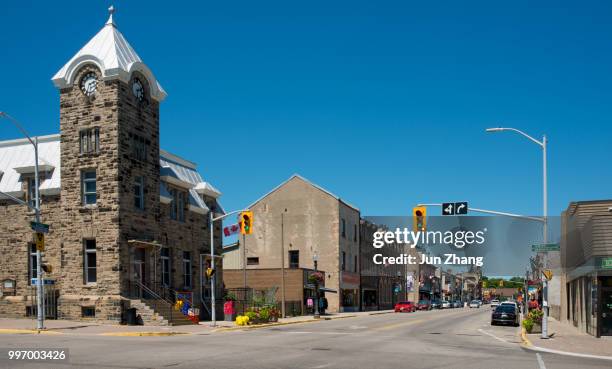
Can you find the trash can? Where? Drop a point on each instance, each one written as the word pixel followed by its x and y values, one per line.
pixel 131 317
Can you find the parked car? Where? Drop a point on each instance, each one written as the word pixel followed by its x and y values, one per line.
pixel 505 314
pixel 494 303
pixel 475 304
pixel 405 306
pixel 446 305
pixel 424 305
pixel 512 303
pixel 457 304
pixel 436 304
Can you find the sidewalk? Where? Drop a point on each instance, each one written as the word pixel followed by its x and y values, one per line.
pixel 567 340
pixel 28 326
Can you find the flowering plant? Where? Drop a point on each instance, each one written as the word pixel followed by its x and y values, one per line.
pixel 316 277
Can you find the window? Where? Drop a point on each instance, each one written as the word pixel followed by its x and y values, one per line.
pixel 139 193
pixel 180 206
pixel 187 269
pixel 343 265
pixel 253 261
pixel 88 312
pixel 32 192
pixel 355 233
pixel 90 140
pixel 89 261
pixel 177 206
pixel 165 266
pixel 88 179
pixel 355 265
pixel 343 228
pixel 32 262
pixel 294 259
pixel 139 147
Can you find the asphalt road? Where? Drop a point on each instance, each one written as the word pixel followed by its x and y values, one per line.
pixel 456 338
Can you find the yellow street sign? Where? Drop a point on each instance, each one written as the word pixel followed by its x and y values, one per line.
pixel 548 274
pixel 39 239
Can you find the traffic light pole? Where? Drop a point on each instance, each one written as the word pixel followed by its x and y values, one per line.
pixel 211 222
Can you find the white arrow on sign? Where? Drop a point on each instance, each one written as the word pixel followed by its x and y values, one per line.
pixel 461 206
pixel 449 209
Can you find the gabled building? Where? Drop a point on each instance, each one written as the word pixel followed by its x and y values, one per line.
pixel 128 221
pixel 296 222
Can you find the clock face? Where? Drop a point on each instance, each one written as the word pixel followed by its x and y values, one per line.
pixel 89 82
pixel 138 89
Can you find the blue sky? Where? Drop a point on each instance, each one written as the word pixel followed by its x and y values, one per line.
pixel 383 103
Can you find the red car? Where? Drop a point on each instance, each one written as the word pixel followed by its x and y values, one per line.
pixel 405 306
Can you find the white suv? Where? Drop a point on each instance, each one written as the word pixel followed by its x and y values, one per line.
pixel 494 303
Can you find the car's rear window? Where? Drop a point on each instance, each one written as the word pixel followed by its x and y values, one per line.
pixel 405 303
pixel 505 308
pixel 422 301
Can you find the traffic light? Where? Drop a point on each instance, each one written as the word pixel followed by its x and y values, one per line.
pixel 418 216
pixel 47 268
pixel 210 272
pixel 246 222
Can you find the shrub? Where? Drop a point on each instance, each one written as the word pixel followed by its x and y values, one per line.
pixel 528 324
pixel 242 320
pixel 535 315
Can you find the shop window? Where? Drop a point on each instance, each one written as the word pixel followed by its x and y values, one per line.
pixel 88 312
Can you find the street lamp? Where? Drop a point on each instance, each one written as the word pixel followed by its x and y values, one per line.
pixel 39 282
pixel 543 145
pixel 315 260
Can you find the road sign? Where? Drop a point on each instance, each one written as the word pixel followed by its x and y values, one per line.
pixel 461 208
pixel 545 247
pixel 47 282
pixel 448 208
pixel 39 239
pixel 606 263
pixel 39 227
pixel 548 274
pixel 455 208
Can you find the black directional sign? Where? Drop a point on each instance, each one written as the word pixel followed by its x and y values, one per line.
pixel 454 208
pixel 461 208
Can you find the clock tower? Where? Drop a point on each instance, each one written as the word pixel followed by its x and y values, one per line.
pixel 110 172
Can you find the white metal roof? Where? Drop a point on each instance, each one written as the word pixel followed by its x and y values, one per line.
pixel 115 57
pixel 15 155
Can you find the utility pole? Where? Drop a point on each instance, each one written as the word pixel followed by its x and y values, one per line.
pixel 283 263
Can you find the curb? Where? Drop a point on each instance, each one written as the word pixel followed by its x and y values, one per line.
pixel 144 334
pixel 27 331
pixel 527 345
pixel 258 326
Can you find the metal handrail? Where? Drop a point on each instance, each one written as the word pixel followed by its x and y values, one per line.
pixel 157 298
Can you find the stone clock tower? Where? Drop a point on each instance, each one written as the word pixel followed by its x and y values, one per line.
pixel 110 173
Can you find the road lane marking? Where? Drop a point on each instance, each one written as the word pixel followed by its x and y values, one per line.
pixel 494 336
pixel 540 361
pixel 397 325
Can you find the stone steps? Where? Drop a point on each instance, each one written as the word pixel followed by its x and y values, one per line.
pixel 161 315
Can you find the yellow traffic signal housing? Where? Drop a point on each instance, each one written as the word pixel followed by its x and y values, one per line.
pixel 419 214
pixel 210 272
pixel 246 222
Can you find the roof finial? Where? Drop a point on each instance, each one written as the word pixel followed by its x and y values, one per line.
pixel 111 11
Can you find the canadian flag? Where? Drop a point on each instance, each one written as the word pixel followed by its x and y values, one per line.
pixel 231 229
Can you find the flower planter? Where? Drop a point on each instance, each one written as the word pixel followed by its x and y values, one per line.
pixel 537 328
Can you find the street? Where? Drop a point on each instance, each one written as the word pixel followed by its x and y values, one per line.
pixel 453 338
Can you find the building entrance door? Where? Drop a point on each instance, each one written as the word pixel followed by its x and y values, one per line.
pixel 606 311
pixel 139 270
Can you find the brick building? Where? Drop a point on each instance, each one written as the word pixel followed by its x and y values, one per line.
pixel 128 221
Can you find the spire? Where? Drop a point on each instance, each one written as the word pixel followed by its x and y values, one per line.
pixel 111 11
pixel 113 55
